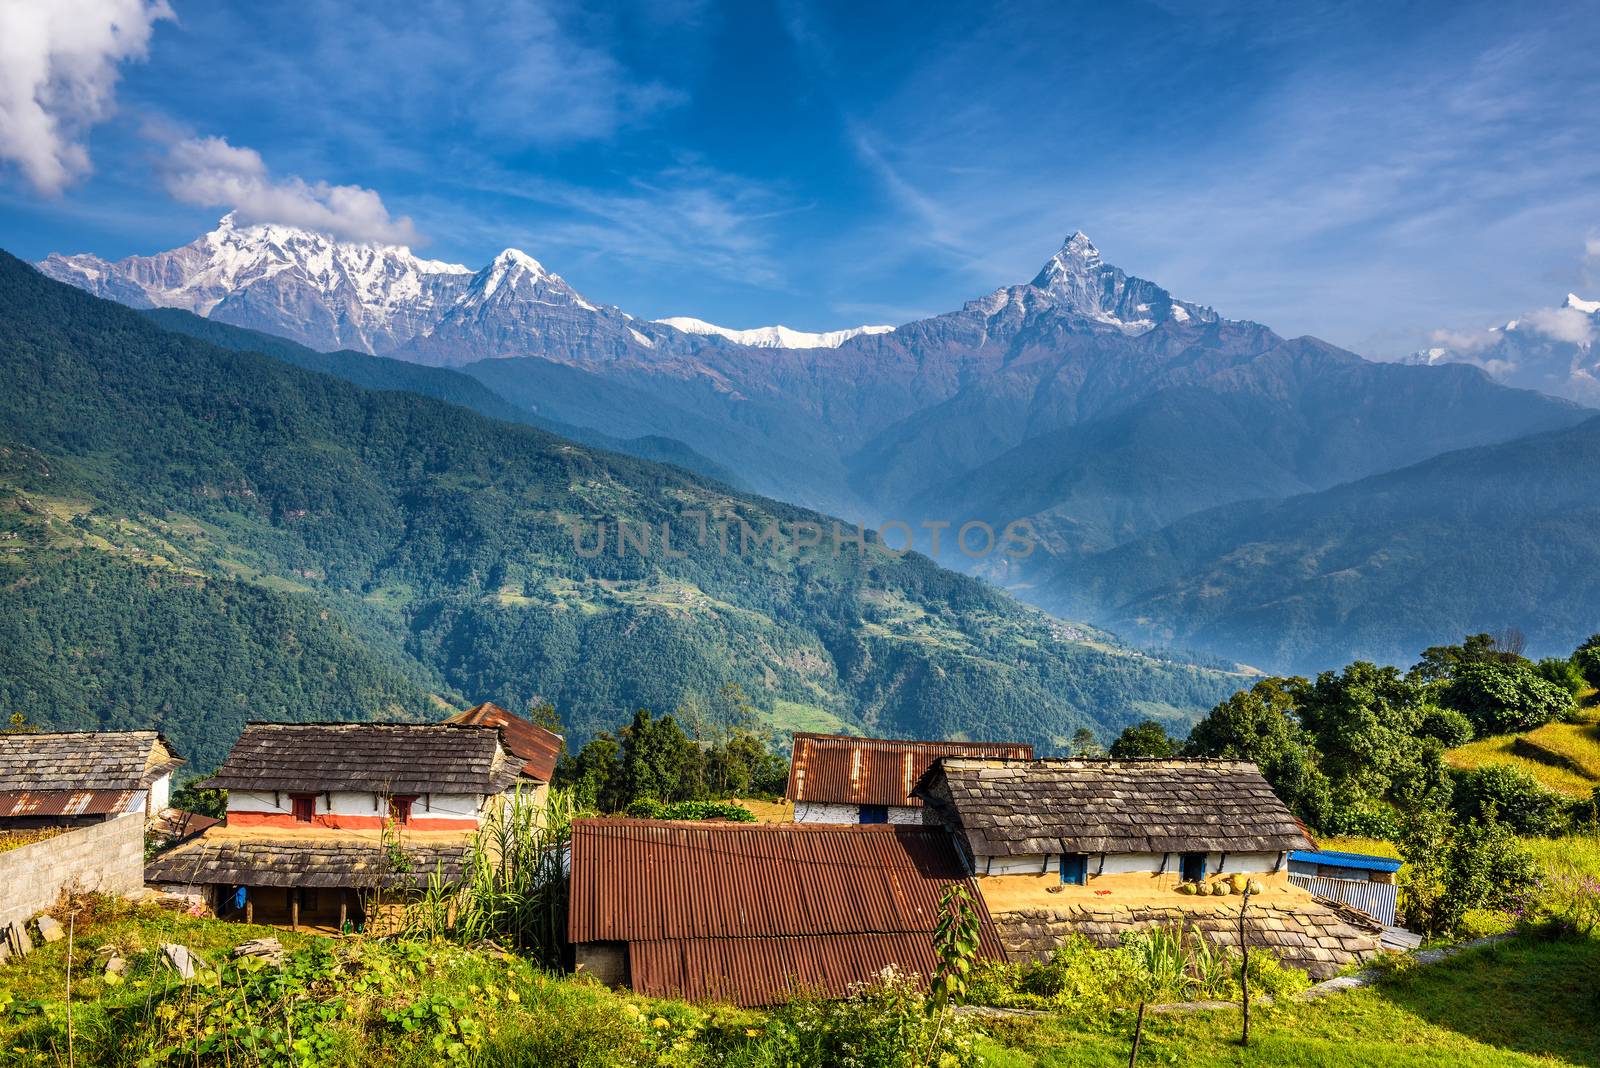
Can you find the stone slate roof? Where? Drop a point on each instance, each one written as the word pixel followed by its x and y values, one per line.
pixel 399 758
pixel 539 748
pixel 84 760
pixel 843 769
pixel 309 859
pixel 1017 808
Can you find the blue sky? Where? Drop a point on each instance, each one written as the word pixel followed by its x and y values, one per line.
pixel 1365 173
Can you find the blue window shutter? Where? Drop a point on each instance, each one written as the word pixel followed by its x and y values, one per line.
pixel 1074 869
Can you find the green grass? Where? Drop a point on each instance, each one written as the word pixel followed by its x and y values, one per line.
pixel 1501 750
pixel 1520 1003
pixel 1525 1002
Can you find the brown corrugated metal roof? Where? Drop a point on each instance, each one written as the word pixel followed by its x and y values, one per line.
pixel 764 971
pixel 540 748
pixel 840 769
pixel 745 912
pixel 27 803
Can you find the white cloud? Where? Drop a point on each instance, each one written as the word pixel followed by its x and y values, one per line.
pixel 58 77
pixel 1562 324
pixel 210 172
pixel 1464 342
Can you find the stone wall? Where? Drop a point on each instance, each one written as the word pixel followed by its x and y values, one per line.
pixel 1311 936
pixel 106 857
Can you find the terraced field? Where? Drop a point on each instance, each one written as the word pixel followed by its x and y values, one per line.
pixel 1564 757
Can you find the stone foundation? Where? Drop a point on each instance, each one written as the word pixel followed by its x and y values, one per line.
pixel 1311 935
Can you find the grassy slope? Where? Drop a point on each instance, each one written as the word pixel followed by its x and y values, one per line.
pixel 1523 1003
pixel 1564 757
pixel 1526 1002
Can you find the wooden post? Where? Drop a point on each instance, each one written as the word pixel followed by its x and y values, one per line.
pixel 344 907
pixel 1244 969
pixel 294 908
pixel 249 906
pixel 1138 1033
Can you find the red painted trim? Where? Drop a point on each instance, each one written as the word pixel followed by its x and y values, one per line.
pixel 335 821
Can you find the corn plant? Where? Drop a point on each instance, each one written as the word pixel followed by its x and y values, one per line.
pixel 513 890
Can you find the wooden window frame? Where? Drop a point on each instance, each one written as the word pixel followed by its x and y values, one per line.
pixel 296 800
pixel 400 808
pixel 1078 863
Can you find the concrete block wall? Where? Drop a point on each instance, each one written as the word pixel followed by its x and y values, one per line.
pixel 106 857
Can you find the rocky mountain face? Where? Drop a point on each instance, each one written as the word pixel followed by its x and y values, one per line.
pixel 1551 350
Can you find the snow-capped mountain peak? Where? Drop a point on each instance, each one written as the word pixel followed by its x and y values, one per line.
pixel 772 337
pixel 1577 303
pixel 1078 283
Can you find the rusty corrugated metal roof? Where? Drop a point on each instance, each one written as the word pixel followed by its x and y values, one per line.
pixel 840 769
pixel 745 912
pixel 539 748
pixel 21 803
pixel 765 971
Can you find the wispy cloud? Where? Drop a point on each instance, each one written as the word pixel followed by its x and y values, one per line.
pixel 58 77
pixel 210 172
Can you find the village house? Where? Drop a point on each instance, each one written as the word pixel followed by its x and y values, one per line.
pixel 1358 879
pixel 322 818
pixel 539 749
pixel 836 778
pixel 1098 847
pixel 752 913
pixel 81 777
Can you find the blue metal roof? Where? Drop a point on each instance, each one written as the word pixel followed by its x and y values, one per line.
pixel 1346 860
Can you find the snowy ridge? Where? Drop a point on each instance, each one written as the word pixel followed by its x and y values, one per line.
pixel 1078 282
pixel 772 337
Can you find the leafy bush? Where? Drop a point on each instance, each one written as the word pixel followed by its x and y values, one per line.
pixel 1153 964
pixel 1364 819
pixel 1450 726
pixel 1453 867
pixel 881 1024
pixel 648 808
pixel 1506 698
pixel 1513 796
pixel 1147 738
pixel 1563 672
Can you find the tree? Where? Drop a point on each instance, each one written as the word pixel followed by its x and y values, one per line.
pixel 1586 658
pixel 1260 725
pixel 1085 744
pixel 1563 673
pixel 594 775
pixel 1441 662
pixel 658 760
pixel 542 713
pixel 1506 698
pixel 1144 739
pixel 1453 867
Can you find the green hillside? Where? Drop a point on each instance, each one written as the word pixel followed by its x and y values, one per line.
pixel 372 548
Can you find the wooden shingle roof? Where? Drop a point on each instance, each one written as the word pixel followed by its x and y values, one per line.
pixel 1017 807
pixel 419 758
pixel 312 859
pixel 84 760
pixel 843 769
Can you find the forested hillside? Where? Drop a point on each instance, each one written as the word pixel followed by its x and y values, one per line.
pixel 371 548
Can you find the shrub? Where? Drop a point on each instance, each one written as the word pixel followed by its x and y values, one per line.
pixel 1364 819
pixel 881 1024
pixel 1448 725
pixel 1453 868
pixel 1145 739
pixel 1514 797
pixel 1506 698
pixel 648 808
pixel 1563 672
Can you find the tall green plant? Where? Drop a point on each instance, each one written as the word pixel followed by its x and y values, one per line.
pixel 513 891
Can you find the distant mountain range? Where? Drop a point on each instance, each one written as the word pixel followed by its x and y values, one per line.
pixel 193 535
pixel 1093 405
pixel 1549 349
